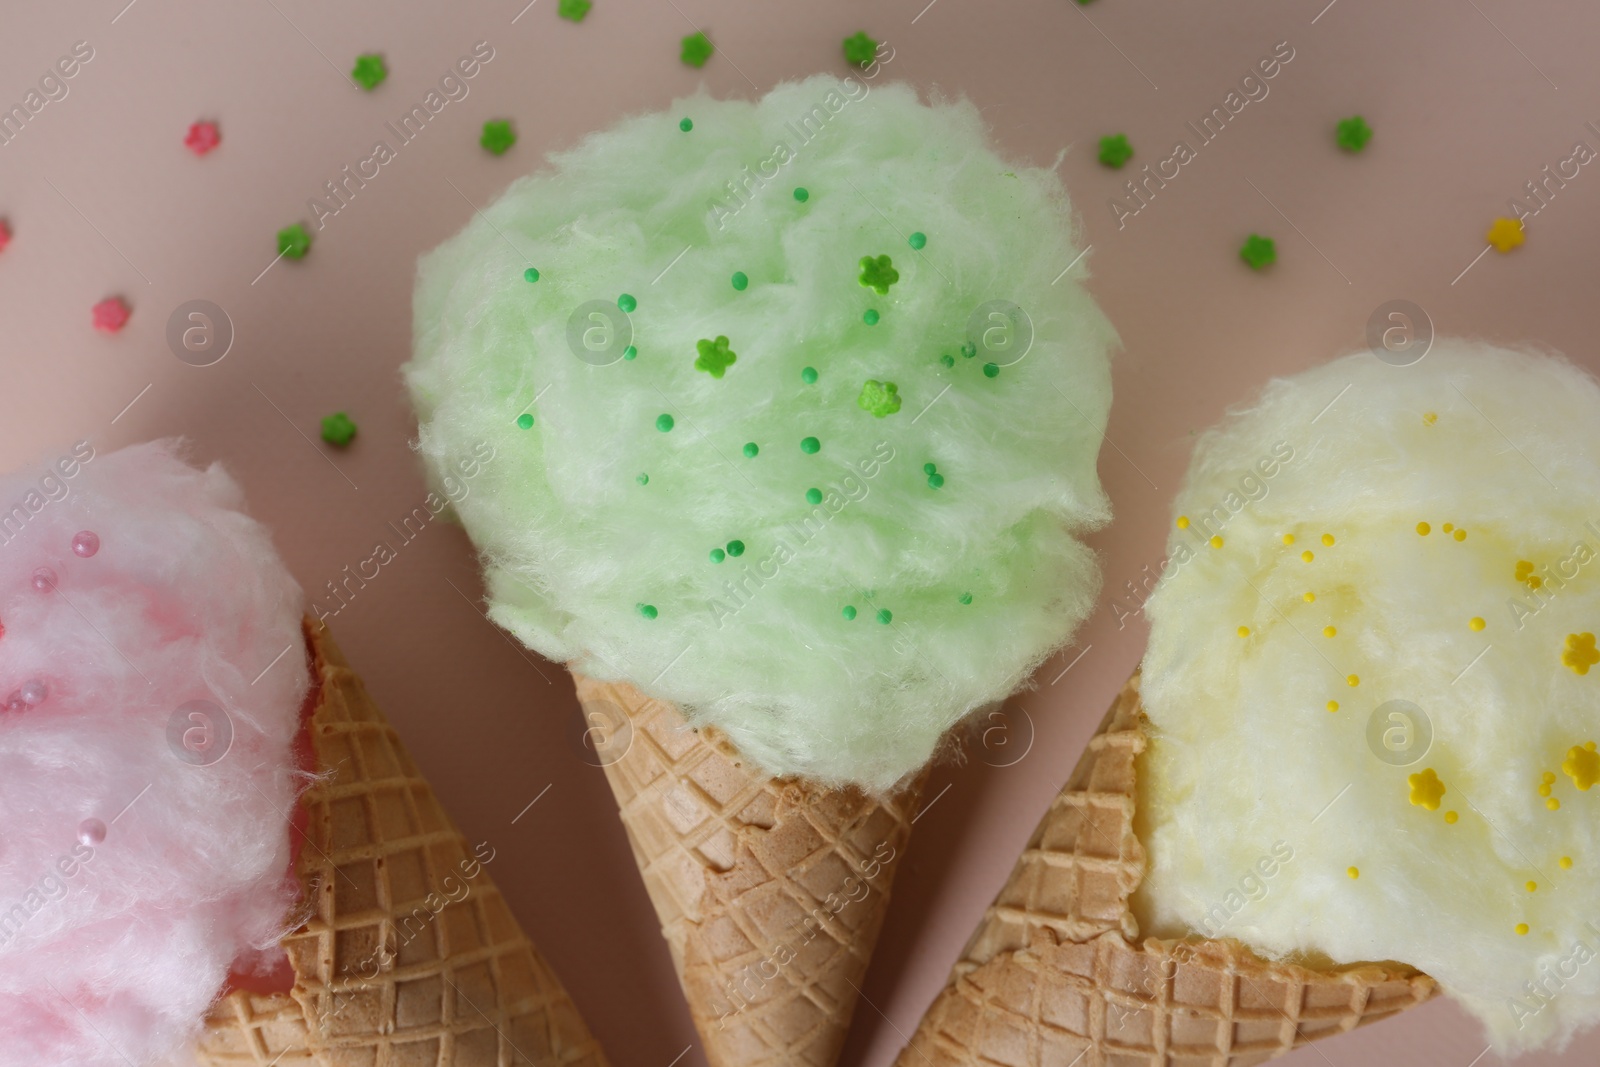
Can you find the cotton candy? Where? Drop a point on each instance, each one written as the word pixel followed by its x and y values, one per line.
pixel 834 568
pixel 140 857
pixel 1425 534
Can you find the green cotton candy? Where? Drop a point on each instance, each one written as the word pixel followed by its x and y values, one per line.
pixel 851 633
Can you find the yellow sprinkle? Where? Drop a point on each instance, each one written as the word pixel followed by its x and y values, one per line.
pixel 1353 680
pixel 1522 929
pixel 1460 535
pixel 1183 522
pixel 1288 539
pixel 1327 539
pixel 1307 556
pixel 1566 863
pixel 1426 789
pixel 1553 804
pixel 1216 542
pixel 1333 705
pixel 1310 597
pixel 1580 653
pixel 1532 886
pixel 1430 418
pixel 1451 817
pixel 1353 872
pixel 1447 527
pixel 1544 790
pixel 1423 528
pixel 1582 765
pixel 1505 234
pixel 1329 631
pixel 1244 631
pixel 1476 623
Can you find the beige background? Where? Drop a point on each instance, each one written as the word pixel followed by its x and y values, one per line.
pixel 105 200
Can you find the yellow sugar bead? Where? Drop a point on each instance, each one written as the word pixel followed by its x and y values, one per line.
pixel 1429 418
pixel 1329 631
pixel 1333 705
pixel 1353 872
pixel 1327 539
pixel 1451 817
pixel 1476 623
pixel 1566 863
pixel 1460 535
pixel 1532 886
pixel 1424 529
pixel 1522 929
pixel 1544 790
pixel 1183 522
pixel 1244 631
pixel 1447 527
pixel 1353 680
pixel 1310 597
pixel 1553 804
pixel 1288 539
pixel 1216 542
pixel 1548 776
pixel 1307 556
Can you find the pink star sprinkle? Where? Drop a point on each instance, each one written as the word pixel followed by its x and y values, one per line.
pixel 203 137
pixel 111 314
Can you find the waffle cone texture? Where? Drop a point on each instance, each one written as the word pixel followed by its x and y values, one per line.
pixel 1057 974
pixel 770 892
pixel 408 955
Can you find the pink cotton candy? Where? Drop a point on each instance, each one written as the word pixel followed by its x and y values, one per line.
pixel 137 862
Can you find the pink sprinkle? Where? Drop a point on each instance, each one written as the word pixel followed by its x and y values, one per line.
pixel 5 235
pixel 111 314
pixel 203 137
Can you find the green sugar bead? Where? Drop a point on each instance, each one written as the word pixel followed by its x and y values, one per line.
pixel 918 240
pixel 969 349
pixel 810 445
pixel 626 302
pixel 991 370
pixel 630 352
pixel 717 555
pixel 813 496
pixel 686 125
pixel 750 449
pixel 809 375
pixel 885 616
pixel 531 274
pixel 664 422
pixel 928 468
pixel 948 360
pixel 871 317
pixel 849 612
pixel 935 481
pixel 741 280
pixel 801 193
pixel 648 611
pixel 525 421
pixel 735 548
pixel 966 598
pixel 643 479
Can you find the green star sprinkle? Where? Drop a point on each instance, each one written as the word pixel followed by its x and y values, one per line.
pixel 813 496
pixel 717 555
pixel 884 616
pixel 991 370
pixel 338 430
pixel 573 9
pixel 1353 134
pixel 1115 150
pixel 648 611
pixel 686 124
pixel 525 421
pixel 809 375
pixel 879 398
pixel 849 613
pixel 369 71
pixel 293 241
pixel 859 49
pixel 966 598
pixel 810 445
pixel 801 193
pixel 627 303
pixel 715 358
pixel 871 317
pixel 696 49
pixel 498 136
pixel 741 280
pixel 1258 251
pixel 664 422
pixel 751 450
pixel 531 274
pixel 918 240
pixel 630 352
pixel 736 548
pixel 878 274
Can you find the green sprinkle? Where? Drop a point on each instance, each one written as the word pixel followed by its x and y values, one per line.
pixel 969 349
pixel 948 360
pixel 1115 151
pixel 801 193
pixel 715 357
pixel 741 280
pixel 878 274
pixel 813 496
pixel 879 398
pixel 338 430
pixel 991 370
pixel 630 352
pixel 966 598
pixel 1353 134
pixel 498 136
pixel 929 468
pixel 736 548
pixel 809 375
pixel 849 612
pixel 935 481
pixel 696 49
pixel 643 479
pixel 859 49
pixel 648 611
pixel 717 555
pixel 918 240
pixel 1258 251
pixel 531 274
pixel 810 445
pixel 525 421
pixel 871 317
pixel 686 124
pixel 370 70
pixel 293 241
pixel 627 303
pixel 664 422
pixel 884 616
pixel 750 449
pixel 573 10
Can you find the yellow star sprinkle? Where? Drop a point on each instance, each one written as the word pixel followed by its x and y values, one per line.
pixel 1183 522
pixel 1476 623
pixel 1505 234
pixel 1522 929
pixel 1216 542
pixel 1426 789
pixel 1580 653
pixel 1430 418
pixel 1424 529
pixel 1333 705
pixel 1566 863
pixel 1327 539
pixel 1582 765
pixel 1451 817
pixel 1353 872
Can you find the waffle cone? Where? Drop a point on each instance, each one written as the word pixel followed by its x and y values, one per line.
pixel 410 956
pixel 1057 974
pixel 770 892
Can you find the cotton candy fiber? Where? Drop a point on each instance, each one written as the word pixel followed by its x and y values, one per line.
pixel 807 481
pixel 139 855
pixel 1371 683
